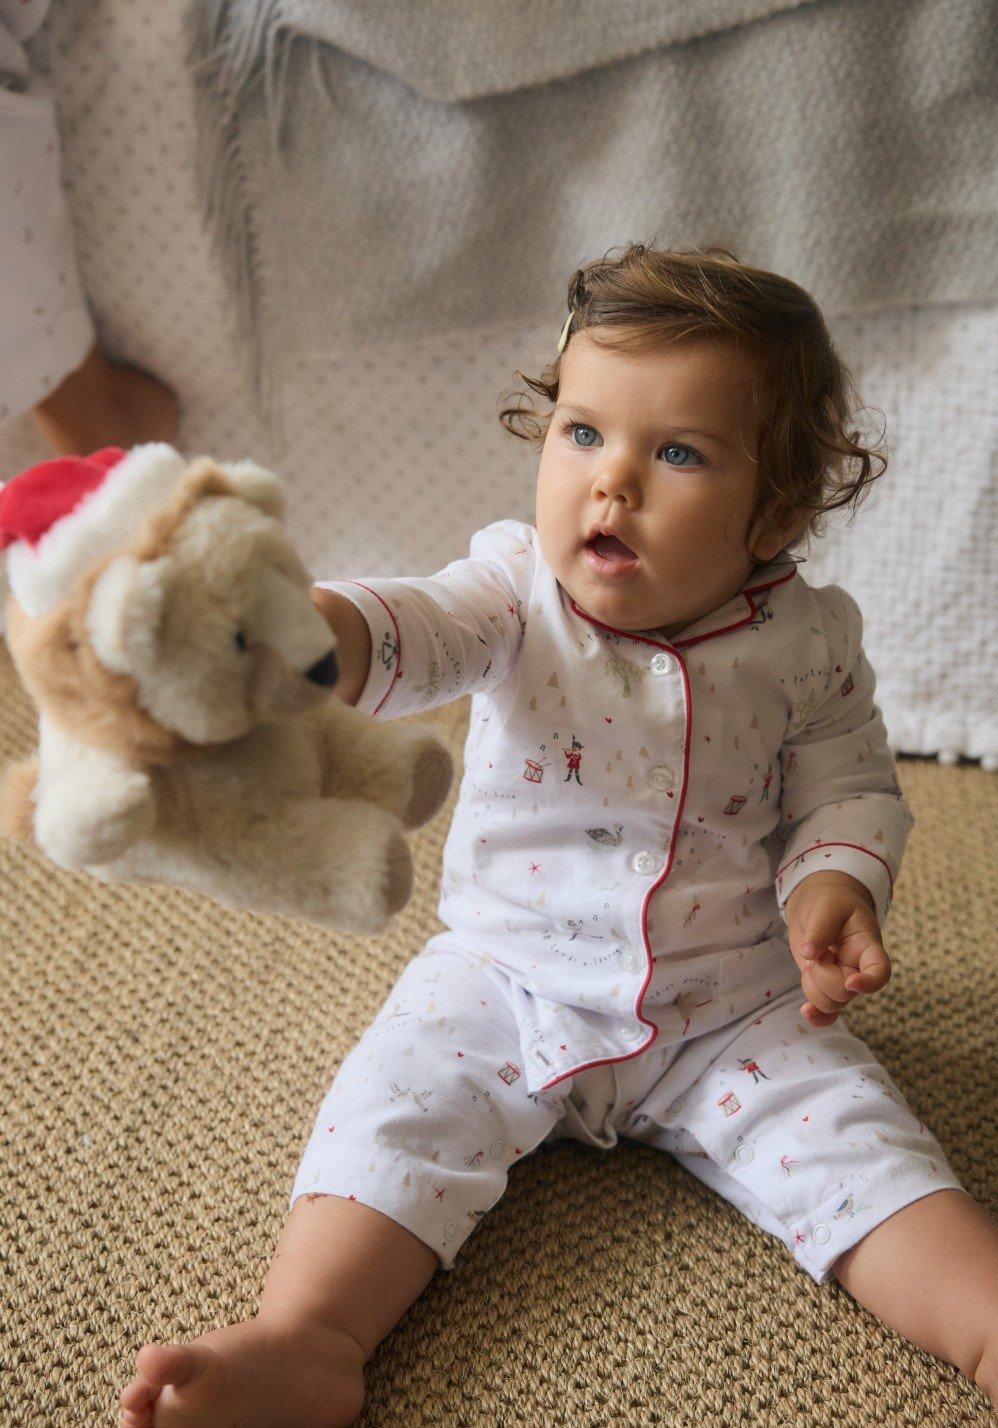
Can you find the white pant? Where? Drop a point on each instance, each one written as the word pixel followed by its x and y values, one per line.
pixel 800 1128
pixel 45 327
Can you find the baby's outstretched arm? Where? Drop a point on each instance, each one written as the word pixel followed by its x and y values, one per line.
pixel 836 943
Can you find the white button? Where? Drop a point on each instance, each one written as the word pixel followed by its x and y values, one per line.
pixel 644 862
pixel 497 1149
pixel 677 1107
pixel 632 961
pixel 662 776
pixel 822 1234
pixel 631 1033
pixel 450 1230
pixel 662 663
pixel 744 1153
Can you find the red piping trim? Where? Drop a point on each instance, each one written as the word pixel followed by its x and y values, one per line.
pixel 695 639
pixel 837 843
pixel 674 650
pixel 398 635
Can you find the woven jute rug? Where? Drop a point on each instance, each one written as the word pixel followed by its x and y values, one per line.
pixel 161 1062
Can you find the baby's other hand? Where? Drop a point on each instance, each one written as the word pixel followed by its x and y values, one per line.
pixel 835 941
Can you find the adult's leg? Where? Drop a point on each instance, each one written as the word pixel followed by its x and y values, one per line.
pixel 49 359
pixel 45 327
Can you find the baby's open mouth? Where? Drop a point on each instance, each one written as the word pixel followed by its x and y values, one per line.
pixel 610 548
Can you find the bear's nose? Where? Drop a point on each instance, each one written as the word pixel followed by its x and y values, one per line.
pixel 325 671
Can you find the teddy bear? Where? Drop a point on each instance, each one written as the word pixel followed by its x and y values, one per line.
pixel 189 734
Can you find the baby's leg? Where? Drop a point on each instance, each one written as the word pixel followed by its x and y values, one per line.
pixel 804 1131
pixel 342 1276
pixel 930 1271
pixel 411 1147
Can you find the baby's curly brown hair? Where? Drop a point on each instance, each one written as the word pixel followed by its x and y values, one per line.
pixel 808 457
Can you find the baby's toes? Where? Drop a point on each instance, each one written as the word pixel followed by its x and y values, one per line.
pixel 137 1399
pixel 176 1364
pixel 129 1419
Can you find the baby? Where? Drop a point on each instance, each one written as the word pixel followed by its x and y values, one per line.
pixel 674 848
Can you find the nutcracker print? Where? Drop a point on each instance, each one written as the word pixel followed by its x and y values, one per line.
pixel 574 757
pixel 747 1064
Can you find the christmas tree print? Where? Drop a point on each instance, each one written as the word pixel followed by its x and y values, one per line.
pixel 625 670
pixel 434 679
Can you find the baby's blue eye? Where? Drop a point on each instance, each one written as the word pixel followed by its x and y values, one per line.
pixel 583 435
pixel 677 447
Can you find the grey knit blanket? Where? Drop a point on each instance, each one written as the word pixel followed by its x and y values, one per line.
pixel 371 167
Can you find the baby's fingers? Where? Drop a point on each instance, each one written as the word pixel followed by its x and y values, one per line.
pixel 874 970
pixel 826 994
pixel 814 1017
pixel 826 982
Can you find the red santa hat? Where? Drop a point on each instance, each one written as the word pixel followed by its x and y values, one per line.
pixel 59 517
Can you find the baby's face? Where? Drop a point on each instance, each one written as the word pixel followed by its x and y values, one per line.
pixel 622 452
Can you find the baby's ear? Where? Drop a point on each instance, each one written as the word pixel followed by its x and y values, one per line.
pixel 125 612
pixel 259 487
pixel 774 529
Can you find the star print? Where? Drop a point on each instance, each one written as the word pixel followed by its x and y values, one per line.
pixel 439 1193
pixel 535 867
pixel 798 1237
pixel 707 738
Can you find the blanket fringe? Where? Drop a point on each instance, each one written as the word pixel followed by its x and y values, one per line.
pixel 236 47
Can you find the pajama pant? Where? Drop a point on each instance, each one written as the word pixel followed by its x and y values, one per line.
pixel 800 1128
pixel 45 326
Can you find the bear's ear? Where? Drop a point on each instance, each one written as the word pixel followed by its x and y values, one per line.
pixel 259 487
pixel 125 611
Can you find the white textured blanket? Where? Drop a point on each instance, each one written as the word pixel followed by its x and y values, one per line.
pixel 392 446
pixel 376 168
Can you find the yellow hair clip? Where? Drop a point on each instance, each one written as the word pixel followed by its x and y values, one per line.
pixel 563 339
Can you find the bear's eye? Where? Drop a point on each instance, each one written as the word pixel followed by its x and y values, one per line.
pixel 240 641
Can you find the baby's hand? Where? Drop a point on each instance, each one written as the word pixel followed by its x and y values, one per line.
pixel 835 940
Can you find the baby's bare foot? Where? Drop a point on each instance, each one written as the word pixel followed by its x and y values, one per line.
pixel 263 1373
